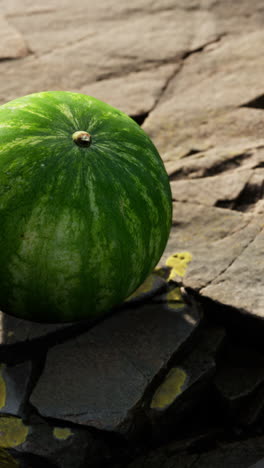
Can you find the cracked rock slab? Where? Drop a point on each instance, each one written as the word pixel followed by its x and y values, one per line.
pixel 62 445
pixel 240 286
pixel 98 378
pixel 214 237
pixel 135 93
pixel 211 190
pixel 218 220
pixel 202 104
pixel 108 49
pixel 185 384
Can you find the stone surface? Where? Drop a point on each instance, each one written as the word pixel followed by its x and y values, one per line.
pixel 14 330
pixel 62 445
pixel 259 464
pixel 222 241
pixel 14 386
pixel 183 384
pixel 208 110
pixel 98 378
pixel 186 388
pixel 135 93
pixel 12 44
pixel 111 48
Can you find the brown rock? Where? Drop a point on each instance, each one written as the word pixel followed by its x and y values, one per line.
pixel 201 102
pixel 135 93
pixel 12 44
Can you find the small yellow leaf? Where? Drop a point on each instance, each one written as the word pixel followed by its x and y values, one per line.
pixel 178 263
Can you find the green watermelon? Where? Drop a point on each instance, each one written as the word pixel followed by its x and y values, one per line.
pixel 85 207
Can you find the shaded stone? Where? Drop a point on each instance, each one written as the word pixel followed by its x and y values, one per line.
pixel 213 160
pixel 186 383
pixel 98 378
pixel 211 190
pixel 239 381
pixel 233 455
pixel 259 464
pixel 62 445
pixel 14 384
pixel 153 284
pixel 14 330
pixel 12 44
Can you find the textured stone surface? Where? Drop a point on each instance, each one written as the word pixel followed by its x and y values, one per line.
pixel 14 385
pixel 190 377
pixel 62 445
pixel 12 44
pixel 13 330
pixel 98 378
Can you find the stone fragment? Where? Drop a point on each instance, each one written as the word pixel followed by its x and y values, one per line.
pixel 14 330
pixel 238 286
pixel 98 378
pixel 14 382
pixel 154 284
pixel 222 244
pixel 12 44
pixel 201 163
pixel 212 190
pixel 185 383
pixel 62 446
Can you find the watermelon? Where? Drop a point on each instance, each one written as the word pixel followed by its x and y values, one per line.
pixel 85 207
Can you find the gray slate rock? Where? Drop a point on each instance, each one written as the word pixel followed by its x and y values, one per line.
pixel 14 384
pixel 186 383
pixel 62 445
pixel 98 378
